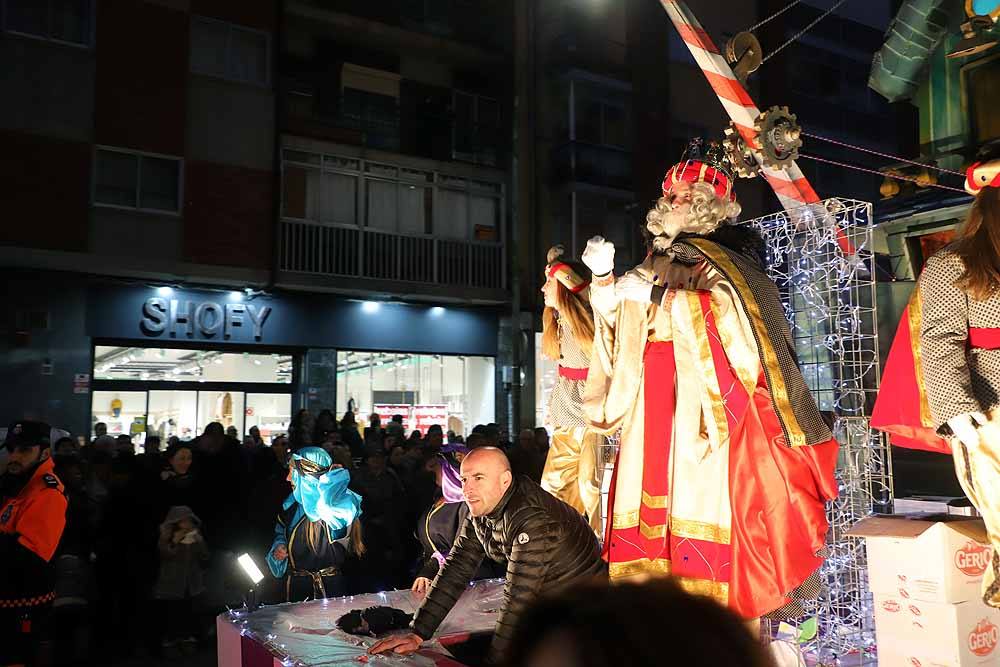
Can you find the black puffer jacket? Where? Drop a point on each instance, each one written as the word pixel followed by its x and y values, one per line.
pixel 544 543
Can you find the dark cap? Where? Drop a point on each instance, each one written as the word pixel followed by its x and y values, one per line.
pixel 27 434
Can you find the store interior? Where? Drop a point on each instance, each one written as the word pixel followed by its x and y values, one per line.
pixel 156 408
pixel 456 392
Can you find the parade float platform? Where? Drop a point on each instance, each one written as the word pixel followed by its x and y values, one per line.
pixel 306 634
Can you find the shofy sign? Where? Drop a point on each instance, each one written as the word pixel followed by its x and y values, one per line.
pixel 205 319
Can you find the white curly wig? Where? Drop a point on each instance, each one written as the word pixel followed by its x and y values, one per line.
pixel 708 210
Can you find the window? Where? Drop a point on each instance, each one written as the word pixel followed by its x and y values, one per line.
pixel 229 51
pixel 601 115
pixel 454 392
pixel 476 130
pixel 66 21
pixel 982 80
pixel 375 114
pixel 330 189
pixel 129 179
pixel 401 203
pixel 602 216
pixel 467 209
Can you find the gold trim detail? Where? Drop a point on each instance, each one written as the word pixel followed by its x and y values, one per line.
pixel 779 392
pixel 625 520
pixel 719 590
pixel 699 530
pixel 708 366
pixel 655 502
pixel 915 311
pixel 632 568
pixel 657 532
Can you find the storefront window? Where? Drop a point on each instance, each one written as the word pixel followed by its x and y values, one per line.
pixel 270 413
pixel 173 413
pixel 455 392
pixel 140 363
pixel 123 412
pixel 162 394
pixel 225 407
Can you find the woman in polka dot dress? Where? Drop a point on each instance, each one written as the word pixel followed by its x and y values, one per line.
pixel 571 469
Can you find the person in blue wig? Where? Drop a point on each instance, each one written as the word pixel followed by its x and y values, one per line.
pixel 318 528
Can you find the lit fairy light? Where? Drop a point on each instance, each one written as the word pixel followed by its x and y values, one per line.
pixel 828 298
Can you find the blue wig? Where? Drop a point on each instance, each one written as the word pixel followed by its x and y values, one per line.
pixel 322 490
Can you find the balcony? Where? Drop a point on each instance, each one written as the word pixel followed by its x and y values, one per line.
pixel 603 166
pixel 358 252
pixel 356 117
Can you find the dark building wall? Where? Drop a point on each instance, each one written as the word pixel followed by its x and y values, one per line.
pixel 46 196
pixel 228 215
pixel 43 328
pixel 142 55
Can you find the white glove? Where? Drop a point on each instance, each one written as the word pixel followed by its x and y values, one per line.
pixel 633 288
pixel 966 427
pixel 599 256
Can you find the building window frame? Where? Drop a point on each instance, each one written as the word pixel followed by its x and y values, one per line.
pixel 406 176
pixel 138 181
pixel 968 105
pixel 480 157
pixel 227 76
pixel 90 31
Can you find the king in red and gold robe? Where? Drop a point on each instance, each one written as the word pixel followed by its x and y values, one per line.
pixel 725 463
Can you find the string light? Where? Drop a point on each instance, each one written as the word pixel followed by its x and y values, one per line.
pixel 829 301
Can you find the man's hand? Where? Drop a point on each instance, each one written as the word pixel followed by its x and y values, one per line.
pixel 420 586
pixel 280 552
pixel 633 288
pixel 402 644
pixel 599 256
pixel 966 427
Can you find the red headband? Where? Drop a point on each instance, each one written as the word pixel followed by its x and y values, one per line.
pixel 569 278
pixel 695 171
pixel 982 175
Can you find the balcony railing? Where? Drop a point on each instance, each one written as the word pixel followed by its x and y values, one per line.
pixel 356 252
pixel 597 165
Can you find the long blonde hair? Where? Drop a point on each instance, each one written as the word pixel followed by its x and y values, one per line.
pixel 574 308
pixel 979 246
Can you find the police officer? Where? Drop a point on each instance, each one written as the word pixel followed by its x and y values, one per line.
pixel 32 518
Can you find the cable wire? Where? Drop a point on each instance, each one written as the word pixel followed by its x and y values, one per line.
pixel 773 16
pixel 883 155
pixel 879 173
pixel 803 31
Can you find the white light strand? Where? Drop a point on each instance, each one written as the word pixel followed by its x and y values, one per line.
pixel 829 301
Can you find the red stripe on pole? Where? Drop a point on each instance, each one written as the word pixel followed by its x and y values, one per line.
pixel 697 37
pixel 799 189
pixel 728 89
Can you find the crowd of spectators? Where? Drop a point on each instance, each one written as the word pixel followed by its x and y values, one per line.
pixel 148 556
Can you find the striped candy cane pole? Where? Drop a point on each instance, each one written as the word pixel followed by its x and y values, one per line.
pixel 791 186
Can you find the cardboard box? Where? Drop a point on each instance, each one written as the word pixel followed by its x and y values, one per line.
pixel 925 558
pixel 911 633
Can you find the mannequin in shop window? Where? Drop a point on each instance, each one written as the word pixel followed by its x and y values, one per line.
pixel 570 471
pixel 318 528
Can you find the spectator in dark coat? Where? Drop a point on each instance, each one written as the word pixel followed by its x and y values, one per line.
pixel 349 434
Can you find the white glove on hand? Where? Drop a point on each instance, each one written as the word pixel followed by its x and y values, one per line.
pixel 633 288
pixel 966 427
pixel 599 256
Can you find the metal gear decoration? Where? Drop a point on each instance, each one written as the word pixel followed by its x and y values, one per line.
pixel 739 154
pixel 780 137
pixel 744 54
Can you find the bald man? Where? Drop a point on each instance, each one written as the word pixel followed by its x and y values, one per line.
pixel 544 543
